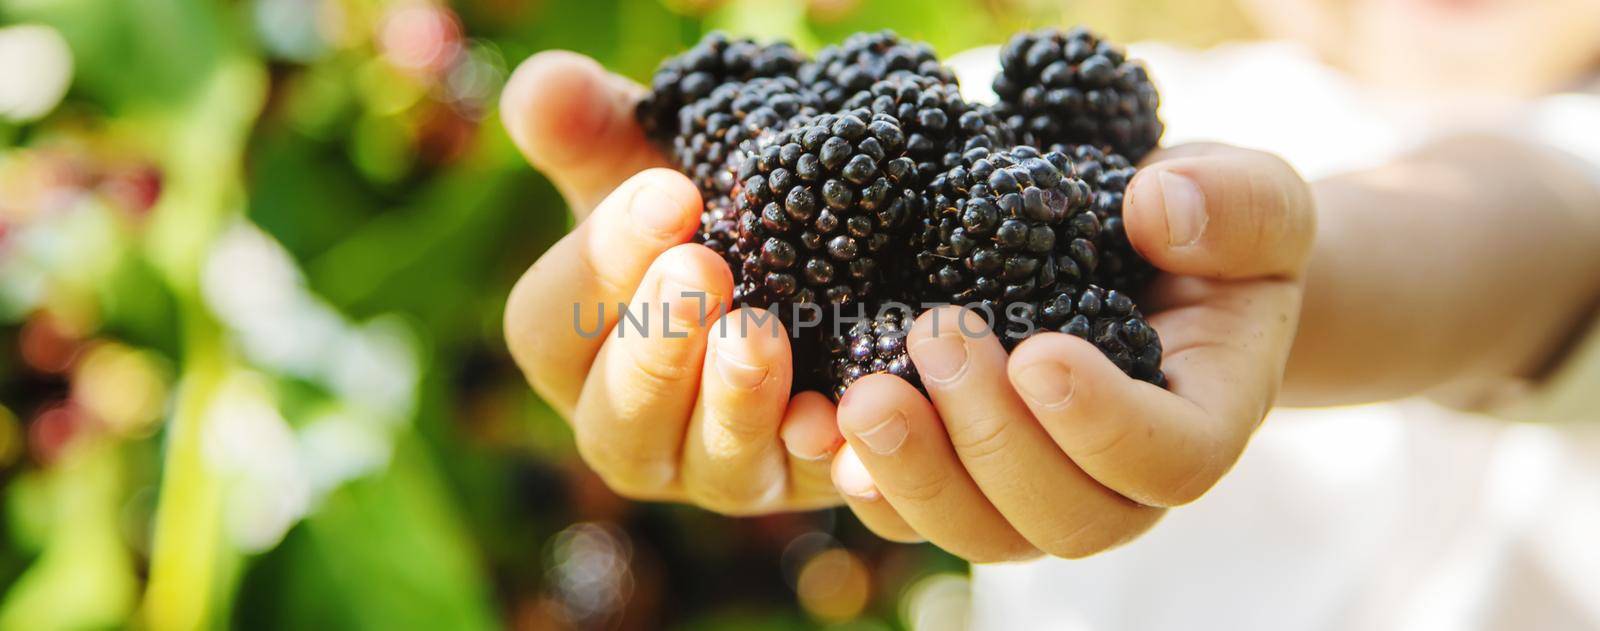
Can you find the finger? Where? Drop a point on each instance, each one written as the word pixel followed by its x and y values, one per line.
pixel 1225 352
pixel 554 320
pixel 1042 493
pixel 810 435
pixel 634 409
pixel 574 122
pixel 897 436
pixel 1221 212
pixel 855 483
pixel 733 462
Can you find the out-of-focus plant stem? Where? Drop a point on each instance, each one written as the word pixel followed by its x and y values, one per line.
pixel 201 149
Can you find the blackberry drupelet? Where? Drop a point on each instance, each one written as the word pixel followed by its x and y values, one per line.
pixel 1108 175
pixel 842 70
pixel 871 345
pixel 694 74
pixel 819 209
pixel 1002 227
pixel 1107 318
pixel 940 125
pixel 1073 87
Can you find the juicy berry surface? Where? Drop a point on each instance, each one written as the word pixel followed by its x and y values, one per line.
pixel 1073 87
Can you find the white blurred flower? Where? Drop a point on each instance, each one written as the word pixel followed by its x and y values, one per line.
pixel 250 446
pixel 375 366
pixel 370 372
pixel 340 445
pixel 38 69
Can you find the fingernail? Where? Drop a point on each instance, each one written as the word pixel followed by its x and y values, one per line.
pixel 1046 384
pixel 887 436
pixel 655 214
pixel 799 454
pixel 851 477
pixel 1186 209
pixel 941 356
pixel 738 372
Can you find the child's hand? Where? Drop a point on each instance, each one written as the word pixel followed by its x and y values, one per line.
pixel 1053 448
pixel 704 417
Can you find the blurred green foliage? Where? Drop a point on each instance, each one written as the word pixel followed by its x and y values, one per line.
pixel 251 365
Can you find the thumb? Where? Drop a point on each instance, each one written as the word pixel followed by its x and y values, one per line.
pixel 1220 212
pixel 573 121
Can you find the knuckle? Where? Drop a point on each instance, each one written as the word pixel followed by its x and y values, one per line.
pixel 1080 541
pixel 743 427
pixel 732 498
pixel 634 487
pixel 628 473
pixel 1199 478
pixel 983 438
pixel 659 364
pixel 609 281
pixel 921 487
pixel 985 552
pixel 895 535
pixel 1104 444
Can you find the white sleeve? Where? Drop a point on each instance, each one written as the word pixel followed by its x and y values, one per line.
pixel 1569 123
pixel 1571 392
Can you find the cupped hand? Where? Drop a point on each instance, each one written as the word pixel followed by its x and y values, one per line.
pixel 698 410
pixel 1054 450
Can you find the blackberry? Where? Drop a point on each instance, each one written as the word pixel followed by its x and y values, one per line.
pixel 714 132
pixel 714 135
pixel 719 229
pixel 863 59
pixel 820 207
pixel 1073 87
pixel 871 345
pixel 1002 227
pixel 940 126
pixel 1108 175
pixel 694 74
pixel 1107 318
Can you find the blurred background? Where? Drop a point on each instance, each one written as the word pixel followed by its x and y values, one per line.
pixel 253 256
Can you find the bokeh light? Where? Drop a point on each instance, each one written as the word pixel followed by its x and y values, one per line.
pixel 48 345
pixel 834 585
pixel 590 573
pixel 123 388
pixel 938 602
pixel 38 69
pixel 54 429
pixel 419 36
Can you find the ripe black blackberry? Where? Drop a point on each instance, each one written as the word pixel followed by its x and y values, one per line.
pixel 940 126
pixel 1002 227
pixel 871 345
pixel 692 75
pixel 1107 318
pixel 819 209
pixel 863 59
pixel 1108 175
pixel 1073 87
pixel 713 131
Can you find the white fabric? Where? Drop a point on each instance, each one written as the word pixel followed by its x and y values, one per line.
pixel 1397 516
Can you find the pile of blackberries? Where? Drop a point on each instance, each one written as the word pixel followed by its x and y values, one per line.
pixel 851 191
